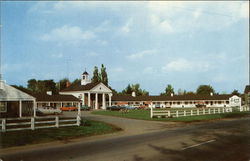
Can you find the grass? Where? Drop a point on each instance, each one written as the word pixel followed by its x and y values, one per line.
pixel 25 137
pixel 145 115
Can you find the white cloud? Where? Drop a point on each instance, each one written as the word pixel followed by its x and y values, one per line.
pixel 142 54
pixel 183 65
pixel 127 27
pixel 59 55
pixel 68 34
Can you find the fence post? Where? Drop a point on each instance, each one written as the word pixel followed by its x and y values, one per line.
pixel 169 113
pixel 198 112
pixel 184 112
pixel 32 123
pixel 223 110
pixel 3 125
pixel 214 110
pixel 218 110
pixel 151 112
pixel 57 121
pixel 191 112
pixel 177 114
pixel 209 112
pixel 78 120
pixel 203 111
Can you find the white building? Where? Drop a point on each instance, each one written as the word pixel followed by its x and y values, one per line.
pixel 95 95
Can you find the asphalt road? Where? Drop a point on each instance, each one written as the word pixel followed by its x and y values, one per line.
pixel 226 140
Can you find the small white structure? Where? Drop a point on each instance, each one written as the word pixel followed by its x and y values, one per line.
pixel 90 94
pixel 12 100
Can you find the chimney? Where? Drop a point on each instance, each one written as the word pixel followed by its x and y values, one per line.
pixel 67 84
pixel 49 93
pixel 133 94
pixel 172 94
pixel 211 94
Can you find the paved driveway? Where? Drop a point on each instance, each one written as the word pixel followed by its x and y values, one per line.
pixel 130 126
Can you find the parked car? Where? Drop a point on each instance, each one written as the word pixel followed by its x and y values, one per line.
pixel 85 108
pixel 47 110
pixel 115 108
pixel 68 108
pixel 129 107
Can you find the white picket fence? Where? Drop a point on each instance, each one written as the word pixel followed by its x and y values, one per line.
pixel 32 123
pixel 191 112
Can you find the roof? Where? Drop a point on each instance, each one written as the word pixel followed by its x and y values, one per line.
pixel 79 87
pixel 55 98
pixel 247 89
pixel 9 93
pixel 52 98
pixel 85 73
pixel 169 98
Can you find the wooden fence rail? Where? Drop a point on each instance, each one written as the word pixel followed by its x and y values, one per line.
pixel 191 112
pixel 32 123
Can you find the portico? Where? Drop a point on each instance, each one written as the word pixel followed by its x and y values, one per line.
pixel 95 95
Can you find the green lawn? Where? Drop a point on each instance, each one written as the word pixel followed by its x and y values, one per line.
pixel 145 115
pixel 88 128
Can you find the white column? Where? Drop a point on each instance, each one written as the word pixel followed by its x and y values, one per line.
pixel 20 108
pixel 79 110
pixel 34 108
pixel 89 99
pixel 96 101
pixel 110 95
pixel 83 99
pixel 103 101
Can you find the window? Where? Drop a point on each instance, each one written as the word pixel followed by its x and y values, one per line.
pixel 3 106
pixel 227 102
pixel 83 77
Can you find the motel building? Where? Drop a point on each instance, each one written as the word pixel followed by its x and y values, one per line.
pixel 178 101
pixel 94 95
pixel 99 96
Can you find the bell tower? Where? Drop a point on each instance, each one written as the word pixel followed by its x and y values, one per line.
pixel 85 78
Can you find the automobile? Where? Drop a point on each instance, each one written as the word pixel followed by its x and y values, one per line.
pixel 85 108
pixel 47 110
pixel 68 108
pixel 129 107
pixel 115 108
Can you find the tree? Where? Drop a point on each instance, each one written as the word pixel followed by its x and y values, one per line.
pixel 32 85
pixel 236 92
pixel 205 89
pixel 62 84
pixel 104 75
pixel 95 77
pixel 76 81
pixel 169 89
pixel 127 90
pixel 135 88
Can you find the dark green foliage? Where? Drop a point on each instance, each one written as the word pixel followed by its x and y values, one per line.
pixel 95 77
pixel 205 89
pixel 169 89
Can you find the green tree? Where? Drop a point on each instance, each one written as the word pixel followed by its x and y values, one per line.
pixel 62 84
pixel 236 92
pixel 168 90
pixel 205 89
pixel 95 77
pixel 127 90
pixel 103 75
pixel 76 81
pixel 32 85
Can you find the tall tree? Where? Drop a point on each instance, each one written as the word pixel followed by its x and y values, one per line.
pixel 127 90
pixel 76 81
pixel 104 75
pixel 205 89
pixel 169 89
pixel 135 88
pixel 95 77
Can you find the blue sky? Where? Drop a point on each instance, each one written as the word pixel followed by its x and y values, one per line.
pixel 184 44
